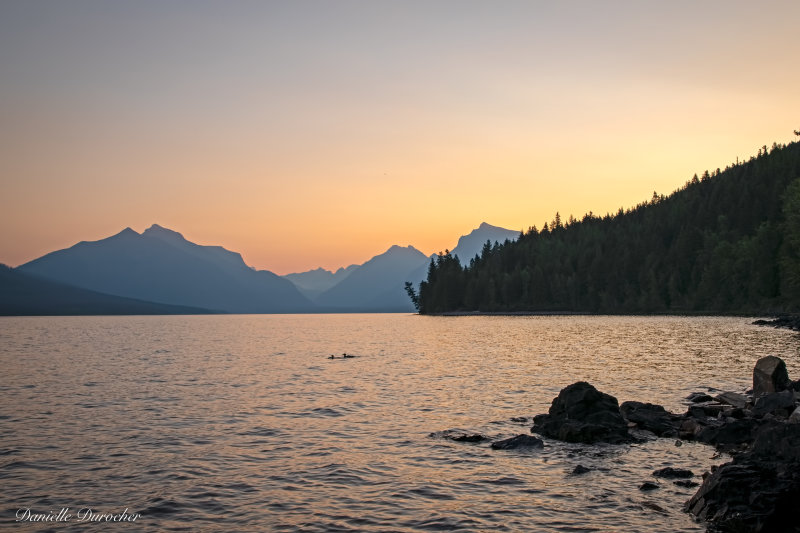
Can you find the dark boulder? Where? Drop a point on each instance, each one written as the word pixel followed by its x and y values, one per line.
pixel 651 417
pixel 748 496
pixel 690 428
pixel 696 397
pixel 468 438
pixel 706 409
pixel 729 436
pixel 673 473
pixel 769 375
pixel 581 413
pixel 580 469
pixel 649 485
pixel 777 441
pixel 520 441
pixel 779 403
pixel 735 412
pixel 758 491
pixel 458 436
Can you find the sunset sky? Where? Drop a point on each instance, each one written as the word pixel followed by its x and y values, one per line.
pixel 305 134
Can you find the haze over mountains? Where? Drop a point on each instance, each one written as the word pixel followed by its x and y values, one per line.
pixel 159 271
pixel 314 282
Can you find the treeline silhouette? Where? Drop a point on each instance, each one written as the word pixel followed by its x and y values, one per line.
pixel 726 242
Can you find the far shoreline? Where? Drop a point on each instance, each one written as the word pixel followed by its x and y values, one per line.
pixel 778 321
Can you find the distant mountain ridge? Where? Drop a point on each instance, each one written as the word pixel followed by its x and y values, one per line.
pixel 312 283
pixel 160 265
pixel 377 284
pixel 24 294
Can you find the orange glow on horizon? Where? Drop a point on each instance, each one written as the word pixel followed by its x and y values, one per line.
pixel 301 144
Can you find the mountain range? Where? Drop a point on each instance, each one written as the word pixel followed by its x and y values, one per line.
pixel 160 266
pixel 312 283
pixel 379 284
pixel 160 272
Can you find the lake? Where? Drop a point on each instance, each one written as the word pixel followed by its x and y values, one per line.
pixel 243 423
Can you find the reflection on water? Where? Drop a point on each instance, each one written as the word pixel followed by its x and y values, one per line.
pixel 243 423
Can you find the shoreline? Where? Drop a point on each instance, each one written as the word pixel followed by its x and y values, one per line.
pixel 769 319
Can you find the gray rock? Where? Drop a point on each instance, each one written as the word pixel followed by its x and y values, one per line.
pixel 732 398
pixel 520 441
pixel 769 375
pixel 651 417
pixel 729 436
pixel 649 485
pixel 778 403
pixel 705 409
pixel 794 418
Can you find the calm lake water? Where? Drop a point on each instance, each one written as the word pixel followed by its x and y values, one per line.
pixel 241 423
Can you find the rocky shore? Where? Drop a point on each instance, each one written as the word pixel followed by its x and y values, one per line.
pixel 781 321
pixel 756 492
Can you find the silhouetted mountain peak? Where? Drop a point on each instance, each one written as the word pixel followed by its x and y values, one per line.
pixel 471 244
pixel 395 248
pixel 162 233
pixel 127 232
pixel 378 283
pixel 342 270
pixel 485 226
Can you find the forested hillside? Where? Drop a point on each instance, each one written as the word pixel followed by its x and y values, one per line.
pixel 727 242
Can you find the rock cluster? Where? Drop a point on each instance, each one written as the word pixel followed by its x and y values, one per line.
pixel 781 321
pixel 759 490
pixel 756 492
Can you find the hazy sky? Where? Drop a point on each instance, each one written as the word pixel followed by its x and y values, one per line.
pixel 307 134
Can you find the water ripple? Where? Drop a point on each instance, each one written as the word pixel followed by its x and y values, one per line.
pixel 220 423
